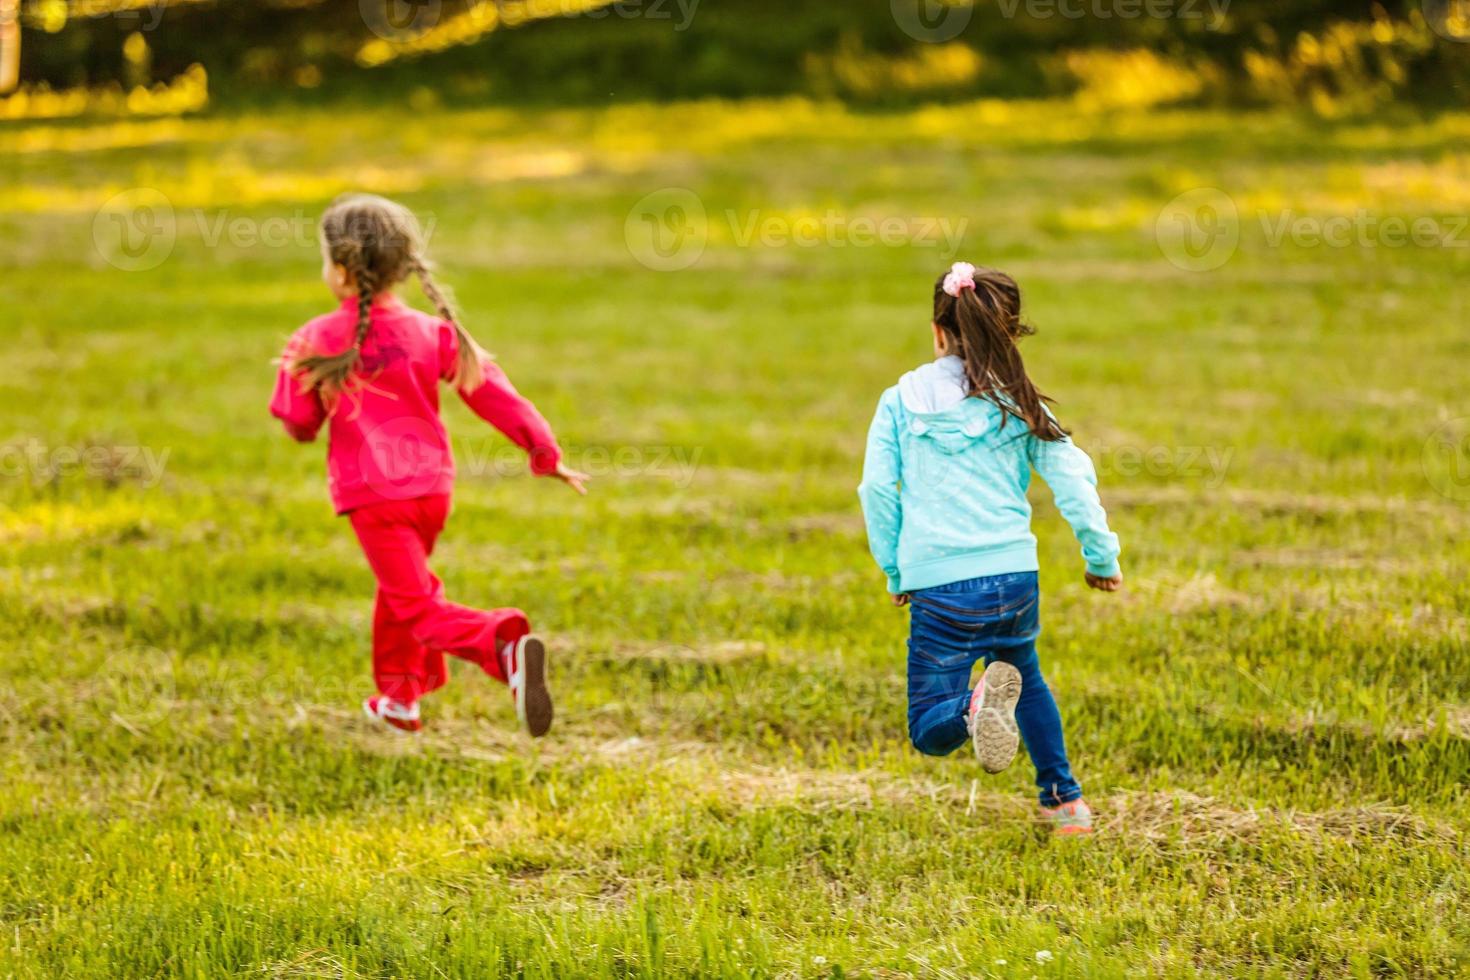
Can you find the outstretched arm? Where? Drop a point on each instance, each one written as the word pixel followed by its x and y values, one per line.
pixel 497 402
pixel 1073 481
pixel 882 509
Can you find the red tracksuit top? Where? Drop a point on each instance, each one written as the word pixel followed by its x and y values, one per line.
pixel 386 441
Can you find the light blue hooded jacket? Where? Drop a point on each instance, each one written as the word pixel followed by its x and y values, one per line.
pixel 944 486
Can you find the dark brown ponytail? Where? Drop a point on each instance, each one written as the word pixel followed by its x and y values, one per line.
pixel 984 325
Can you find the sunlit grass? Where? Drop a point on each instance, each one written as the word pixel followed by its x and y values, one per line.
pixel 1272 720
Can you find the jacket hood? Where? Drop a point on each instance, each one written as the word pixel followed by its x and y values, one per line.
pixel 935 398
pixel 934 387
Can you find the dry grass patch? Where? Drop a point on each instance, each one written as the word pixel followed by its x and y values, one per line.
pixel 1197 593
pixel 721 652
pixel 1180 817
pixel 829 789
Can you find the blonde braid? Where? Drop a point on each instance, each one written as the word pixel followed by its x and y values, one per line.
pixel 367 288
pixel 330 373
pixel 379 242
pixel 470 372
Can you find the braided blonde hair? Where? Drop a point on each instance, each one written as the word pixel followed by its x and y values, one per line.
pixel 379 242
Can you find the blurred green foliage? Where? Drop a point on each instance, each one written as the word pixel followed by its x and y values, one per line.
pixel 1335 57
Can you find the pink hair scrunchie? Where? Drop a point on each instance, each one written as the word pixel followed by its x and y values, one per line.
pixel 961 276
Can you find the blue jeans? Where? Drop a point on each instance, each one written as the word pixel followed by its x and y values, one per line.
pixel 993 618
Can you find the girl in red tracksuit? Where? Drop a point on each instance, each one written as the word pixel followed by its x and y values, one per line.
pixel 371 371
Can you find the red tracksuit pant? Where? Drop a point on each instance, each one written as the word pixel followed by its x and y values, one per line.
pixel 414 626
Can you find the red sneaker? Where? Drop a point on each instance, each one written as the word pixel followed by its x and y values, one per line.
pixel 1069 818
pixel 404 717
pixel 525 669
pixel 992 716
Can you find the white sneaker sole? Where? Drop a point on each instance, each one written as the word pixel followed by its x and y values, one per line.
pixel 533 698
pixel 993 729
pixel 382 722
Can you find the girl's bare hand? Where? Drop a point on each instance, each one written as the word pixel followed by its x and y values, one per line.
pixel 575 479
pixel 1112 584
pixel 900 599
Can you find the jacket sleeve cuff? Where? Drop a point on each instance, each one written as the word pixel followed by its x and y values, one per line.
pixel 545 459
pixel 301 433
pixel 893 588
pixel 1110 570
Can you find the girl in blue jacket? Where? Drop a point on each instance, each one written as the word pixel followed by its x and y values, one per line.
pixel 949 458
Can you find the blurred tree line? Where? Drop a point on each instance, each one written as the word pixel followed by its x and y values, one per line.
pixel 1337 56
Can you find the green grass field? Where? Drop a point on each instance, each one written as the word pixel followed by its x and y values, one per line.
pixel 1273 720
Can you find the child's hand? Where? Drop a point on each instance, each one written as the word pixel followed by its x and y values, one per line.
pixel 575 479
pixel 1105 584
pixel 900 599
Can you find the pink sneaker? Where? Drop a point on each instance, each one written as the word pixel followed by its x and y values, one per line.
pixel 992 716
pixel 525 669
pixel 404 717
pixel 1069 818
